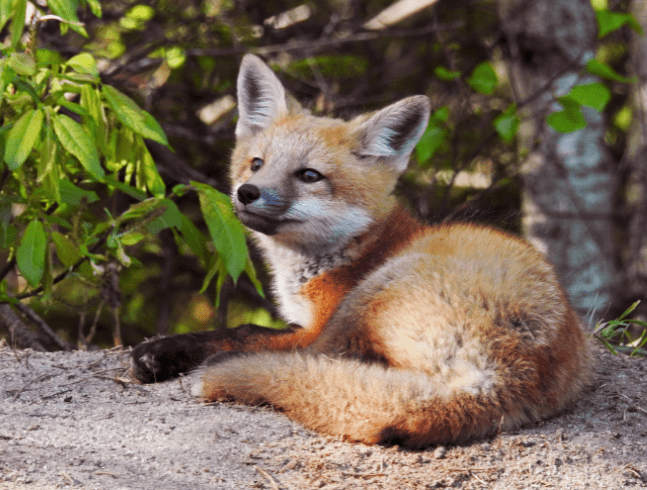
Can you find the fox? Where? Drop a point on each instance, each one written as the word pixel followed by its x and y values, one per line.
pixel 398 332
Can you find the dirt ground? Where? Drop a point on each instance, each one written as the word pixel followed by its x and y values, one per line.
pixel 77 420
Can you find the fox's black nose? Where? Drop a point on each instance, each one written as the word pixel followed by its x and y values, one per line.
pixel 248 193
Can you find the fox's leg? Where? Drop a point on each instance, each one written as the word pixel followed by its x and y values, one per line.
pixel 162 358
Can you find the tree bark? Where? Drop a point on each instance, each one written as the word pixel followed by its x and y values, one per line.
pixel 568 182
pixel 17 330
pixel 634 253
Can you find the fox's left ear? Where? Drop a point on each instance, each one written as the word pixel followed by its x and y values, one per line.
pixel 261 96
pixel 393 132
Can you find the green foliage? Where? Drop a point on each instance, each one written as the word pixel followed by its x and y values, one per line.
pixel 569 119
pixel 507 123
pixel 79 134
pixel 131 116
pixel 30 254
pixel 445 74
pixel 483 78
pixel 226 231
pixel 434 136
pixel 595 95
pixel 71 147
pixel 615 335
pixel 604 71
pixel 611 21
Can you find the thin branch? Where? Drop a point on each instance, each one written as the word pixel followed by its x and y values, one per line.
pixel 40 323
pixel 323 43
pixel 17 329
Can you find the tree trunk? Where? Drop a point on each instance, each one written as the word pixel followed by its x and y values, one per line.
pixel 634 256
pixel 568 180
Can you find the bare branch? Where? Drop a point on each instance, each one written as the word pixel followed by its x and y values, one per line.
pixel 41 324
pixel 17 329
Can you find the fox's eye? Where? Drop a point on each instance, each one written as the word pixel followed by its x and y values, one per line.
pixel 257 163
pixel 309 176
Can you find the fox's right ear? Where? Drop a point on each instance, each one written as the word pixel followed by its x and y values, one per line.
pixel 261 97
pixel 392 133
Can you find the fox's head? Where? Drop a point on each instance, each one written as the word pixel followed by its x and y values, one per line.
pixel 313 182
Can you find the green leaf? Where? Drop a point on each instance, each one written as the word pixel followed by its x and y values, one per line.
pixel 6 76
pixel 170 217
pixel 483 78
pixel 66 9
pixel 73 107
pixel 445 74
pixel 110 181
pixel 84 63
pixel 73 195
pixel 131 116
pixel 217 267
pixel 605 71
pixel 226 231
pixel 143 209
pixel 81 78
pixel 251 273
pixel 68 253
pixel 629 310
pixel 5 12
pixel 441 115
pixel 194 239
pixel 21 138
pixel 17 21
pixel 430 141
pixel 76 140
pixel 595 95
pixel 131 237
pixel 30 254
pixel 147 172
pixel 567 121
pixel 95 7
pixel 57 220
pixel 48 170
pixel 180 189
pixel 46 57
pixel 611 21
pixel 141 12
pixel 434 136
pixel 96 117
pixel 23 64
pixel 506 124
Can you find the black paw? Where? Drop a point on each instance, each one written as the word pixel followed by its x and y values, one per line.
pixel 163 358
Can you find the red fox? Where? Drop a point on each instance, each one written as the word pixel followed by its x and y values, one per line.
pixel 399 332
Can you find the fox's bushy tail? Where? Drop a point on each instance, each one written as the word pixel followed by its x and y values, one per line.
pixel 371 403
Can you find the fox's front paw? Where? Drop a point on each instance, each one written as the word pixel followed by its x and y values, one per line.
pixel 159 359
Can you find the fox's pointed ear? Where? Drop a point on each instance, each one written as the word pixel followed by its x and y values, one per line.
pixel 261 97
pixel 393 132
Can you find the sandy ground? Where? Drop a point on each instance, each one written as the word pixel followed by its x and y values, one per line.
pixel 77 420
